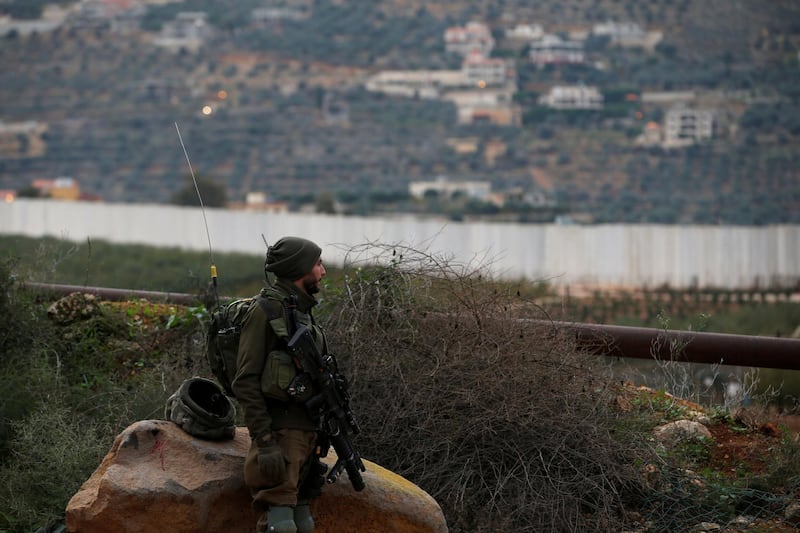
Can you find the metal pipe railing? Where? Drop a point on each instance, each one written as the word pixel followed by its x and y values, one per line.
pixel 685 346
pixel 613 341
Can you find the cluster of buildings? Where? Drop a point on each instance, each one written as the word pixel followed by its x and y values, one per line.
pixel 569 47
pixel 482 89
pixel 443 188
pixel 188 30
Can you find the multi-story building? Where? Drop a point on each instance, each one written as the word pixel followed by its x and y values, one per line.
pixel 572 97
pixel 525 32
pixel 53 17
pixel 189 29
pixel 621 33
pixel 484 71
pixel 475 98
pixel 426 84
pixel 482 90
pixel 464 40
pixel 494 106
pixel 553 50
pixel 128 21
pixel 22 139
pixel 270 13
pixel 61 188
pixel 442 186
pixel 258 201
pixel 684 126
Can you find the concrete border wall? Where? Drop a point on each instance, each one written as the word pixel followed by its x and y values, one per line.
pixel 601 255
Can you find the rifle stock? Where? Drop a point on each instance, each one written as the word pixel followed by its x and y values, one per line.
pixel 333 402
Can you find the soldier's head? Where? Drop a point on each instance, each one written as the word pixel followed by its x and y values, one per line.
pixel 297 260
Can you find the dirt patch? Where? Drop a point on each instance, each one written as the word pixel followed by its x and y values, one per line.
pixel 736 452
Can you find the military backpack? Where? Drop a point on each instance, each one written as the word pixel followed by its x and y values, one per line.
pixel 222 339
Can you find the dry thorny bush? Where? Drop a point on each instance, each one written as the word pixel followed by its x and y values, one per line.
pixel 462 387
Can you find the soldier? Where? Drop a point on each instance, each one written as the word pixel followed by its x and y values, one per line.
pixel 282 468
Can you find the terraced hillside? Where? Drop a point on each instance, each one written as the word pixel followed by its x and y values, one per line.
pixel 296 122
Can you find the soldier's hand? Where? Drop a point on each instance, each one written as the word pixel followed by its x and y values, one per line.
pixel 271 462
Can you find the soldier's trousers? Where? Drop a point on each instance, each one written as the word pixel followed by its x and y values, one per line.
pixel 298 448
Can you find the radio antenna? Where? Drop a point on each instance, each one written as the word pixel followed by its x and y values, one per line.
pixel 205 220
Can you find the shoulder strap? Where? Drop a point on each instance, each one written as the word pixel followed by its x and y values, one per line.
pixel 285 308
pixel 271 308
pixel 291 310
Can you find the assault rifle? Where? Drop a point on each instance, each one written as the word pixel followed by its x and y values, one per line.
pixel 332 401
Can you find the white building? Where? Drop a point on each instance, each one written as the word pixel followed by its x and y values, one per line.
pixel 280 13
pixel 189 29
pixel 22 139
pixel 572 97
pixel 494 106
pixel 525 32
pixel 443 187
pixel 474 37
pixel 628 34
pixel 426 84
pixel 53 17
pixel 553 50
pixel 482 71
pixel 622 33
pixel 683 126
pixel 129 20
pixel 482 90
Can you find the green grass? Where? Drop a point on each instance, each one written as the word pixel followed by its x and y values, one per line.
pixel 140 267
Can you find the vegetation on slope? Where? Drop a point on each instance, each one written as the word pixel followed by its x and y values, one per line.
pixel 110 120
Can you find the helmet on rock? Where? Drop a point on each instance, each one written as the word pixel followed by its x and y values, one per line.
pixel 201 408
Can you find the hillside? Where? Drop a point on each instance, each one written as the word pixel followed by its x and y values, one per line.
pixel 296 122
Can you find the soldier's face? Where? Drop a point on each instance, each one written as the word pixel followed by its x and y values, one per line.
pixel 311 281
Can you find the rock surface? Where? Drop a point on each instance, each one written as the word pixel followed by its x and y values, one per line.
pixel 681 430
pixel 158 478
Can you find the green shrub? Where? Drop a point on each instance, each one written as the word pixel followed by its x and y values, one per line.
pixel 55 450
pixel 69 388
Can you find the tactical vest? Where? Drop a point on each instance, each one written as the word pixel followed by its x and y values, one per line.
pixel 282 379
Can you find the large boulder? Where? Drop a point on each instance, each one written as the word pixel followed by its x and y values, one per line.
pixel 156 477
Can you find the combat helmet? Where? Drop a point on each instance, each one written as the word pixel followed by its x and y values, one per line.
pixel 201 408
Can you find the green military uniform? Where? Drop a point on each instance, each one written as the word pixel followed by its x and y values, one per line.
pixel 283 432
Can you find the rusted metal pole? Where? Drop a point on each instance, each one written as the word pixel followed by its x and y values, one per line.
pixel 613 341
pixel 686 346
pixel 117 294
